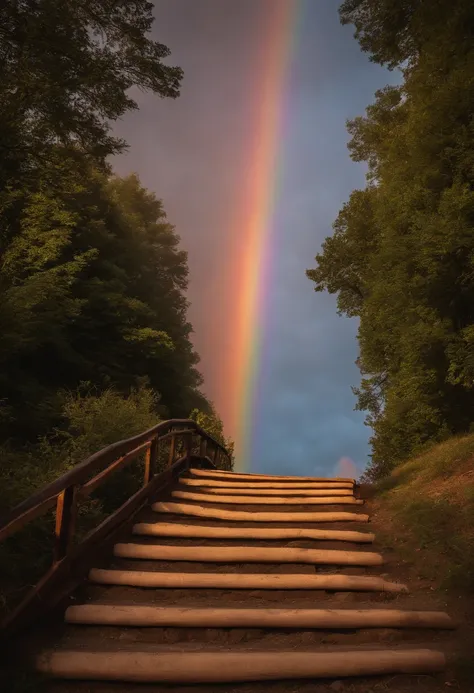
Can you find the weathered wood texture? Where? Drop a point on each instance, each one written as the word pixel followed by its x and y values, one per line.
pixel 246 554
pixel 248 581
pixel 163 529
pixel 185 617
pixel 255 515
pixel 221 667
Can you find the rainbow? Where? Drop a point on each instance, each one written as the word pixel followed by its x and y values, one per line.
pixel 256 223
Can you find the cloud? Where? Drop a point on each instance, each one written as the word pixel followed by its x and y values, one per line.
pixel 193 151
pixel 346 468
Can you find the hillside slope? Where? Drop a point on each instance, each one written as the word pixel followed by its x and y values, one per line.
pixel 424 513
pixel 431 499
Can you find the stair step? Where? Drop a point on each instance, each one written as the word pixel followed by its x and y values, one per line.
pixel 279 493
pixel 245 581
pixel 289 485
pixel 266 500
pixel 161 529
pixel 153 616
pixel 218 474
pixel 228 666
pixel 246 554
pixel 256 516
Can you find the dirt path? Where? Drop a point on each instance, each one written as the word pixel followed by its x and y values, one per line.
pixel 423 595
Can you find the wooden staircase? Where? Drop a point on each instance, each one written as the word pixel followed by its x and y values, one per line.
pixel 238 577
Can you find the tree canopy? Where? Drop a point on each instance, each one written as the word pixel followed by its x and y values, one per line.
pixel 67 68
pixel 93 277
pixel 401 257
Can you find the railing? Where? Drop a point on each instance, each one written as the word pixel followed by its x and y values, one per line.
pixel 167 439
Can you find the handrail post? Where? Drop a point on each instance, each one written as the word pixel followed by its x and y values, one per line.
pixel 188 446
pixel 66 507
pixel 212 451
pixel 150 462
pixel 202 447
pixel 172 448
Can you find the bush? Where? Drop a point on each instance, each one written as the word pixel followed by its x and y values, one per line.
pixel 92 420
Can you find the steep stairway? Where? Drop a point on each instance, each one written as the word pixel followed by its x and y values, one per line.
pixel 245 578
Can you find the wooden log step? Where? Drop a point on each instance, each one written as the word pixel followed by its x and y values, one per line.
pixel 162 529
pixel 280 493
pixel 179 617
pixel 218 474
pixel 224 666
pixel 246 554
pixel 266 500
pixel 245 581
pixel 308 485
pixel 255 516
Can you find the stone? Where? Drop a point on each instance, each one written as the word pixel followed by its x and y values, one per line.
pixel 336 686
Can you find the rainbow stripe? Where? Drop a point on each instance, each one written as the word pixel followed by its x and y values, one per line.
pixel 256 224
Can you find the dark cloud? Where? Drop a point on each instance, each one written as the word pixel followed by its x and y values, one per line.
pixel 192 153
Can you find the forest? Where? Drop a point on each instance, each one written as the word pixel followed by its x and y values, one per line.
pixel 95 343
pixel 401 255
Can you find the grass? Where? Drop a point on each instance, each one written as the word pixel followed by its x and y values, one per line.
pixel 432 497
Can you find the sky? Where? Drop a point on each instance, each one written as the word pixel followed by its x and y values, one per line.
pixel 196 153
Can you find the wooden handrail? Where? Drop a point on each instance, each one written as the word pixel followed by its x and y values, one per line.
pixel 23 513
pixel 102 476
pixel 77 484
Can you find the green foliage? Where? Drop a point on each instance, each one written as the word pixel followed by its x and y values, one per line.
pixel 401 256
pixel 89 421
pixel 67 67
pixel 93 290
pixel 432 496
pixel 92 279
pixel 398 32
pixel 212 424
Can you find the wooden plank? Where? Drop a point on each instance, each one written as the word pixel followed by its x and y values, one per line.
pixel 99 479
pixel 172 451
pixel 28 516
pixel 232 666
pixel 66 510
pixel 247 554
pixel 148 615
pixel 188 445
pixel 259 493
pixel 184 531
pixel 256 515
pixel 266 500
pixel 334 582
pixel 236 476
pixel 151 456
pixel 262 485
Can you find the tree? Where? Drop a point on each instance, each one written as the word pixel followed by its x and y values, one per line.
pixel 399 32
pixel 212 424
pixel 67 69
pixel 159 272
pixel 93 290
pixel 401 255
